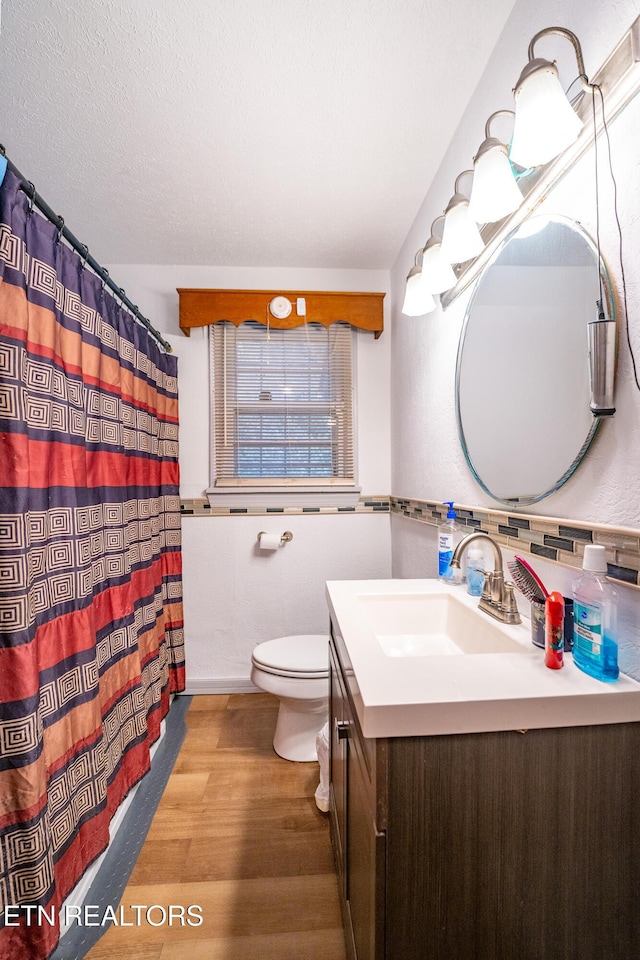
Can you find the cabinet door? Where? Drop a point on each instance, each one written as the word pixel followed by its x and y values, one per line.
pixel 359 847
pixel 366 848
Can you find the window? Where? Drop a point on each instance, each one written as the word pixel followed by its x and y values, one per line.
pixel 282 405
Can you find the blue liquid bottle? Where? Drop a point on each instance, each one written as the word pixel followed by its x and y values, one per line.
pixel 595 618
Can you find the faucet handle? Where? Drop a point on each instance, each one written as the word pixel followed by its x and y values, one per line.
pixel 496 587
pixel 510 606
pixel 486 586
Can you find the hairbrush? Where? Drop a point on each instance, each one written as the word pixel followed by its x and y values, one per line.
pixel 527 580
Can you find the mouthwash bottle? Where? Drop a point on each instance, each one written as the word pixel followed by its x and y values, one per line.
pixel 448 536
pixel 595 618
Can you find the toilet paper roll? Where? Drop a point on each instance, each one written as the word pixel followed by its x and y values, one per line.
pixel 269 541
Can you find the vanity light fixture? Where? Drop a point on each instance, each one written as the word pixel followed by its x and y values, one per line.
pixel 461 238
pixel 437 274
pixel 618 77
pixel 546 123
pixel 417 299
pixel 494 191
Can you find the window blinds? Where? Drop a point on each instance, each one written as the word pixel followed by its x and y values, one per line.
pixel 282 404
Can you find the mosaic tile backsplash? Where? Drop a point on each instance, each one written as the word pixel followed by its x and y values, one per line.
pixel 200 507
pixel 561 541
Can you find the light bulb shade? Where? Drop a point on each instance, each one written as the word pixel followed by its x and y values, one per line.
pixel 437 274
pixel 417 299
pixel 494 193
pixel 546 123
pixel 461 238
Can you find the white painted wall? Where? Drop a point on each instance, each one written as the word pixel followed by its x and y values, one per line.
pixel 235 596
pixel 427 459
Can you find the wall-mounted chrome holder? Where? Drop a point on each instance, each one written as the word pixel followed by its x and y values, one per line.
pixel 602 365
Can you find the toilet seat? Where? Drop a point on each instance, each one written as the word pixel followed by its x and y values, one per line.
pixel 302 657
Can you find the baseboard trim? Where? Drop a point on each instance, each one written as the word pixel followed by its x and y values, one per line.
pixel 218 685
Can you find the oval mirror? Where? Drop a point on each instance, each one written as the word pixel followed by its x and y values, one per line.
pixel 522 375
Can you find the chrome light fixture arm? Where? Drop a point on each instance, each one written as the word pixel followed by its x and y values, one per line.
pixel 489 140
pixel 562 32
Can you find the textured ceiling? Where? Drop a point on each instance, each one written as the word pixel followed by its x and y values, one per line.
pixel 239 132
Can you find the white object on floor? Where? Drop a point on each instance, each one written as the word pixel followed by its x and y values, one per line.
pixel 322 747
pixel 295 669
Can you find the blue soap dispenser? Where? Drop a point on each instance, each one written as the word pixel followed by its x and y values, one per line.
pixel 448 536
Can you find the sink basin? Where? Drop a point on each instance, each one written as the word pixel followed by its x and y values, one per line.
pixel 433 624
pixel 421 660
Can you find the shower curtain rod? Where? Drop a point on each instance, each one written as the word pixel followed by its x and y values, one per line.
pixel 82 249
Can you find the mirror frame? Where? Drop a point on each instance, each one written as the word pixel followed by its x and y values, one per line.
pixel 610 308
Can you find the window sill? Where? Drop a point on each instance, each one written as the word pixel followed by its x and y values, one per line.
pixel 285 496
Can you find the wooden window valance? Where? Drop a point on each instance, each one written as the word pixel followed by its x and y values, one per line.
pixel 199 308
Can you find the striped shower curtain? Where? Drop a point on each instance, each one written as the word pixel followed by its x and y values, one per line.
pixel 91 632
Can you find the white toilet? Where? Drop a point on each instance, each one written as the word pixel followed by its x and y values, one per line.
pixel 295 669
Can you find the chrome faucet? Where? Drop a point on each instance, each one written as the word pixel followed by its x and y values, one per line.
pixel 498 597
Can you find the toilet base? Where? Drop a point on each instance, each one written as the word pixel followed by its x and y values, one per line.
pixel 299 723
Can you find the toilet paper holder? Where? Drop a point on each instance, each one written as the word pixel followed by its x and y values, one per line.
pixel 286 537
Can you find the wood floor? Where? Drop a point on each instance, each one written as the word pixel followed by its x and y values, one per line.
pixel 237 833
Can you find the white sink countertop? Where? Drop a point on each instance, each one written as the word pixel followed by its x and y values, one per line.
pixel 408 684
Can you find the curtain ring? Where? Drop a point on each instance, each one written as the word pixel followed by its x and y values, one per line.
pixel 123 297
pixel 85 256
pixel 32 197
pixel 105 276
pixel 60 228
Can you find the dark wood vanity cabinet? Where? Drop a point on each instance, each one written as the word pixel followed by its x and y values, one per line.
pixel 493 846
